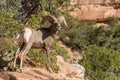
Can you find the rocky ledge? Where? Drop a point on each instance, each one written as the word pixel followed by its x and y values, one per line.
pixel 67 72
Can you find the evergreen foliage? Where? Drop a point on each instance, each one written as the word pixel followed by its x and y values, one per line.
pixel 82 34
pixel 101 63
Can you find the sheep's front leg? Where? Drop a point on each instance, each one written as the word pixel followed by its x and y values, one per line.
pixel 48 58
pixel 24 52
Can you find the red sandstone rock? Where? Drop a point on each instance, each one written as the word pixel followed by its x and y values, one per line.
pixel 71 71
pixel 95 12
pixel 1 79
pixel 35 74
pixel 84 2
pixel 67 72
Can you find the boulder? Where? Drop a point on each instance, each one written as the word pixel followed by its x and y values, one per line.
pixel 70 71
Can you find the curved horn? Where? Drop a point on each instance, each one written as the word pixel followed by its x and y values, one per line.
pixel 49 18
pixel 62 19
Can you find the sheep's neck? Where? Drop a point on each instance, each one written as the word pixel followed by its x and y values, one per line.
pixel 52 32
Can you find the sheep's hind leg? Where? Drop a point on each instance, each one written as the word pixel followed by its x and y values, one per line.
pixel 16 56
pixel 27 48
pixel 17 53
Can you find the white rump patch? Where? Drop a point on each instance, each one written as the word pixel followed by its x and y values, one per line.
pixel 27 34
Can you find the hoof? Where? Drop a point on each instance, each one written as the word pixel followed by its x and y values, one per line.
pixel 20 70
pixel 14 68
pixel 50 70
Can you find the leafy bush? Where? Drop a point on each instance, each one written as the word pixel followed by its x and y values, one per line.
pixel 101 63
pixel 77 32
pixel 60 51
pixel 82 34
pixel 7 24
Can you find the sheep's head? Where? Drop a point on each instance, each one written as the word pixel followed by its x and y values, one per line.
pixel 54 28
pixel 54 21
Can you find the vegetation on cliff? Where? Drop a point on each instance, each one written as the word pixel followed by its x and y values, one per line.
pixel 101 45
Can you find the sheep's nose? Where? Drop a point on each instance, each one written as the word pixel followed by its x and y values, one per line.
pixel 59 27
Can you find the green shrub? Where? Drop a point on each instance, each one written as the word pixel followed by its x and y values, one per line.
pixel 8 25
pixel 7 51
pixel 101 63
pixel 82 34
pixel 77 32
pixel 60 51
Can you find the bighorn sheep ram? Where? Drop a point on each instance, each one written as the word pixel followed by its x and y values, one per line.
pixel 37 38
